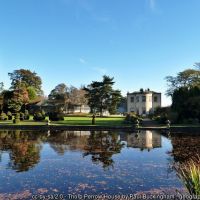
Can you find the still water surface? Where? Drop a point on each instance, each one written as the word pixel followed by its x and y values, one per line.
pixel 79 162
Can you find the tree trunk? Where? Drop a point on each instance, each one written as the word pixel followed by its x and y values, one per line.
pixel 80 108
pixel 101 112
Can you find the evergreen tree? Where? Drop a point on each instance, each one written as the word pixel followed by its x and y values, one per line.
pixel 102 97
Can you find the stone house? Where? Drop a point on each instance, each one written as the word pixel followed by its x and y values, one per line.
pixel 143 102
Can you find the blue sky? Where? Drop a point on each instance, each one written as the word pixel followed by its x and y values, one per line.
pixel 139 42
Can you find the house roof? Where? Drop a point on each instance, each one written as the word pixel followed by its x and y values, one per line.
pixel 144 92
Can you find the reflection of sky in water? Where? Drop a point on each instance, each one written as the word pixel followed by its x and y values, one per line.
pixel 132 170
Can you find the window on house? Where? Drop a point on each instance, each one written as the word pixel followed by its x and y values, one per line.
pixel 132 99
pixel 137 98
pixel 143 98
pixel 155 99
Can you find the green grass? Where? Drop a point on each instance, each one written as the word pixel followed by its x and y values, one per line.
pixel 87 120
pixel 74 121
pixel 100 121
pixel 25 122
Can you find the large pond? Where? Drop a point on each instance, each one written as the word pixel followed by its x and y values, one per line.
pixel 90 162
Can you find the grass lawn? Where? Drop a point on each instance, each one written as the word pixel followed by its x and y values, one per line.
pixel 25 122
pixel 100 121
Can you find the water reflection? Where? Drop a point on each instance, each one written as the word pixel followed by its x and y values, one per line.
pixel 144 140
pixel 24 146
pixel 102 146
pixel 24 149
pixel 90 162
pixel 62 141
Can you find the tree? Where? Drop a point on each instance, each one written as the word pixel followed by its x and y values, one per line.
pixel 122 107
pixel 188 78
pixel 19 97
pixel 7 95
pixel 27 78
pixel 1 96
pixel 82 100
pixel 101 95
pixel 1 87
pixel 64 97
pixel 59 97
pixel 116 100
pixel 31 93
pixel 77 97
pixel 17 100
pixel 26 87
pixel 186 102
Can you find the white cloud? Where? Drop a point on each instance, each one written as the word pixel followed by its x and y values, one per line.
pixel 82 60
pixel 100 70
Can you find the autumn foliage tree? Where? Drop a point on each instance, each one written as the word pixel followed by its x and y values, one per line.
pixel 77 97
pixel 25 87
pixel 64 98
pixel 59 97
pixel 26 78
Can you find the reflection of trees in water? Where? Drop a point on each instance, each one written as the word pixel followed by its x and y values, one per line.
pixel 62 141
pixel 23 147
pixel 102 146
pixel 24 156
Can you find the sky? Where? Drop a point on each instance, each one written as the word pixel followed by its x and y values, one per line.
pixel 138 42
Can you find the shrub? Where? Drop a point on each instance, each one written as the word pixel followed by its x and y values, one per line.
pixel 191 121
pixel 9 114
pixel 43 113
pixel 21 116
pixel 26 115
pixel 55 116
pixel 38 116
pixel 3 116
pixel 161 119
pixel 161 115
pixel 17 118
pixel 173 117
pixel 132 117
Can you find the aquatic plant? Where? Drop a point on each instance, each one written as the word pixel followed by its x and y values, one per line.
pixel 189 173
